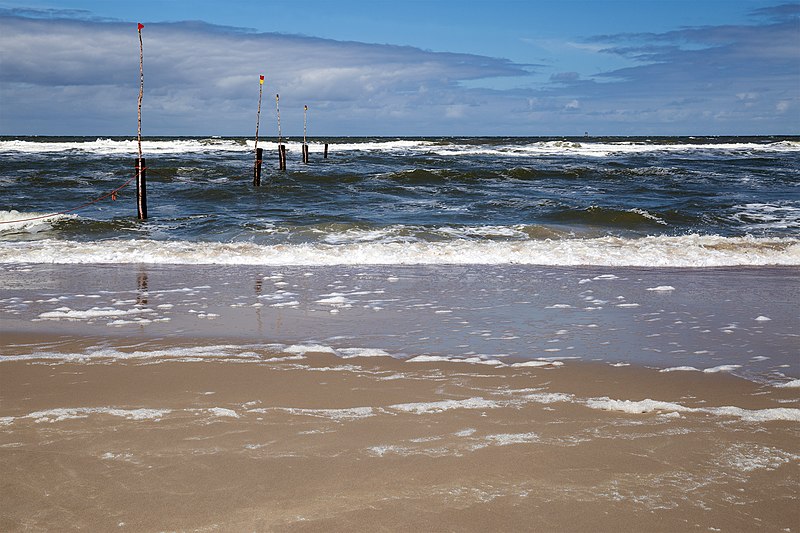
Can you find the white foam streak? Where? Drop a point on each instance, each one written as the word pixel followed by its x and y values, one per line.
pixel 339 415
pixel 61 414
pixel 14 221
pixel 423 408
pixel 446 359
pixel 65 313
pixel 514 148
pixel 635 407
pixel 221 351
pixel 785 414
pixel 111 146
pixel 652 251
pixel 610 149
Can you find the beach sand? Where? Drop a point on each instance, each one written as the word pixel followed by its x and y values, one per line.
pixel 313 444
pixel 212 423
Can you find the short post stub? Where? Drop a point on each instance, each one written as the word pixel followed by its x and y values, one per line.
pixel 282 156
pixel 325 156
pixel 141 188
pixel 257 168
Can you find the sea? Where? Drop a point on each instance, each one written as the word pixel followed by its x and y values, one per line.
pixel 495 231
pixel 675 201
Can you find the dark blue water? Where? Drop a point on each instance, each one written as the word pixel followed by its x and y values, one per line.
pixel 383 190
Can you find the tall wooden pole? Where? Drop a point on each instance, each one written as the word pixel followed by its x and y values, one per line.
pixel 281 149
pixel 141 177
pixel 257 164
pixel 305 123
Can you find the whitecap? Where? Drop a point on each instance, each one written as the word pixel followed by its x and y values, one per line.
pixel 651 251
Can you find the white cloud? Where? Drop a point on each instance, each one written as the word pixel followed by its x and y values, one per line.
pixel 80 76
pixel 198 75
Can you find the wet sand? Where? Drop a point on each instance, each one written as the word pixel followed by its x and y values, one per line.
pixel 703 318
pixel 309 442
pixel 200 398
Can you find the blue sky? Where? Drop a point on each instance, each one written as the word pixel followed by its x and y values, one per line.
pixel 413 67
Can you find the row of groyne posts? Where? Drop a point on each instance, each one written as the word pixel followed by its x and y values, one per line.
pixel 281 148
pixel 141 166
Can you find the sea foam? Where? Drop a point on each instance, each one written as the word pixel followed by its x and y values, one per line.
pixel 652 251
pixel 515 148
pixel 14 221
pixel 786 414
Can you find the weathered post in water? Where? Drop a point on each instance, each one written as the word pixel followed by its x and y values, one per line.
pixel 141 188
pixel 281 148
pixel 325 155
pixel 257 164
pixel 305 126
pixel 141 177
pixel 257 169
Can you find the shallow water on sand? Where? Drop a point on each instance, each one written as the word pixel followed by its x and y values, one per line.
pixel 709 320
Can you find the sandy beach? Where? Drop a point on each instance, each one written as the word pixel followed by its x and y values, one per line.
pixel 326 414
pixel 309 443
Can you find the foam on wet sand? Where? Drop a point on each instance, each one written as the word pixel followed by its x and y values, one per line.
pixel 476 397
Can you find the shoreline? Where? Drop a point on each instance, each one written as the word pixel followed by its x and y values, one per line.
pixel 144 398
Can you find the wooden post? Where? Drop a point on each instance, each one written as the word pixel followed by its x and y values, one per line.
pixel 141 176
pixel 141 188
pixel 326 151
pixel 257 164
pixel 257 170
pixel 281 148
pixel 305 127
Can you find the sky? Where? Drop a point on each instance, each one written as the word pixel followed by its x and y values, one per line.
pixel 402 67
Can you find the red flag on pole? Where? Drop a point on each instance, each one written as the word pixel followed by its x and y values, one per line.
pixel 261 80
pixel 141 26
